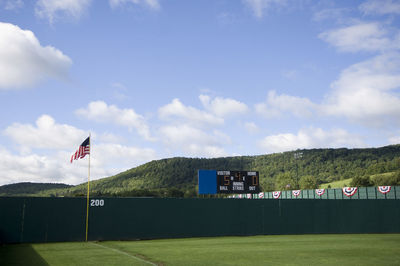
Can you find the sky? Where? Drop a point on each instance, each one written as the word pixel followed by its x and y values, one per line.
pixel 153 79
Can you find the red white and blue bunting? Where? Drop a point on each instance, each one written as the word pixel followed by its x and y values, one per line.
pixel 384 189
pixel 276 194
pixel 320 191
pixel 349 191
pixel 296 193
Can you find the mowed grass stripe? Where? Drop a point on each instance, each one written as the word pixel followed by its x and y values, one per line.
pixel 124 253
pixel 367 249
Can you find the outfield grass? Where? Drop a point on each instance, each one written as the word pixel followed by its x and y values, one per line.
pixel 337 184
pixel 371 249
pixel 346 182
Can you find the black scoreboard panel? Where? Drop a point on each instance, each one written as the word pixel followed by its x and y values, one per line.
pixel 237 182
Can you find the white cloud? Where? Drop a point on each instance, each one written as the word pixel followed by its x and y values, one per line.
pixel 222 107
pixel 394 139
pixel 46 134
pixel 52 168
pixel 367 92
pixel 380 7
pixel 308 138
pixel 111 154
pixel 259 7
pixel 106 160
pixel 24 62
pixel 193 141
pixel 188 114
pixel 370 37
pixel 277 105
pixel 109 138
pixel 186 131
pixel 46 149
pixel 28 168
pixel 153 4
pixel 99 111
pixel 55 9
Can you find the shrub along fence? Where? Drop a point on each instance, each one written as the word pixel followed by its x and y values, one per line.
pixel 32 219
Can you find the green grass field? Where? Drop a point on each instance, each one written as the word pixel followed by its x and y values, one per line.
pixel 337 184
pixel 371 249
pixel 347 182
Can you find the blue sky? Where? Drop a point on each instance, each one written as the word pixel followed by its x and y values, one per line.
pixel 152 79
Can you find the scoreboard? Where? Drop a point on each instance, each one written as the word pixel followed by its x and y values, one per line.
pixel 237 182
pixel 234 182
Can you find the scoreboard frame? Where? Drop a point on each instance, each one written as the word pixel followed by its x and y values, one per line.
pixel 228 182
pixel 238 182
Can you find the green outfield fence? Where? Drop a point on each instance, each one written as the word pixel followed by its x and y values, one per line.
pixel 33 219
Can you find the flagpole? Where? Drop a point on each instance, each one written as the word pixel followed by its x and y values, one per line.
pixel 87 194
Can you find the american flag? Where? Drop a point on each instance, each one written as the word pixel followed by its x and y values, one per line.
pixel 83 149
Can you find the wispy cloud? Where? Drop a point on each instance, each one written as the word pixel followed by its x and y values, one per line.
pixel 380 7
pixel 153 4
pixel 56 9
pixel 364 37
pixel 260 7
pixel 12 4
pixel 330 13
pixel 251 127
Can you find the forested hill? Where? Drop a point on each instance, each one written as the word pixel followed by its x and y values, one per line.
pixel 299 169
pixel 27 188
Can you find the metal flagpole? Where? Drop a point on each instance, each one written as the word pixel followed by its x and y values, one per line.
pixel 87 194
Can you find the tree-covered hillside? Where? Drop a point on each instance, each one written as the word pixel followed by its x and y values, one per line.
pixel 288 170
pixel 303 169
pixel 27 188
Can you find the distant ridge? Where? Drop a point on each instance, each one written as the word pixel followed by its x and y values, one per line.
pixel 28 188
